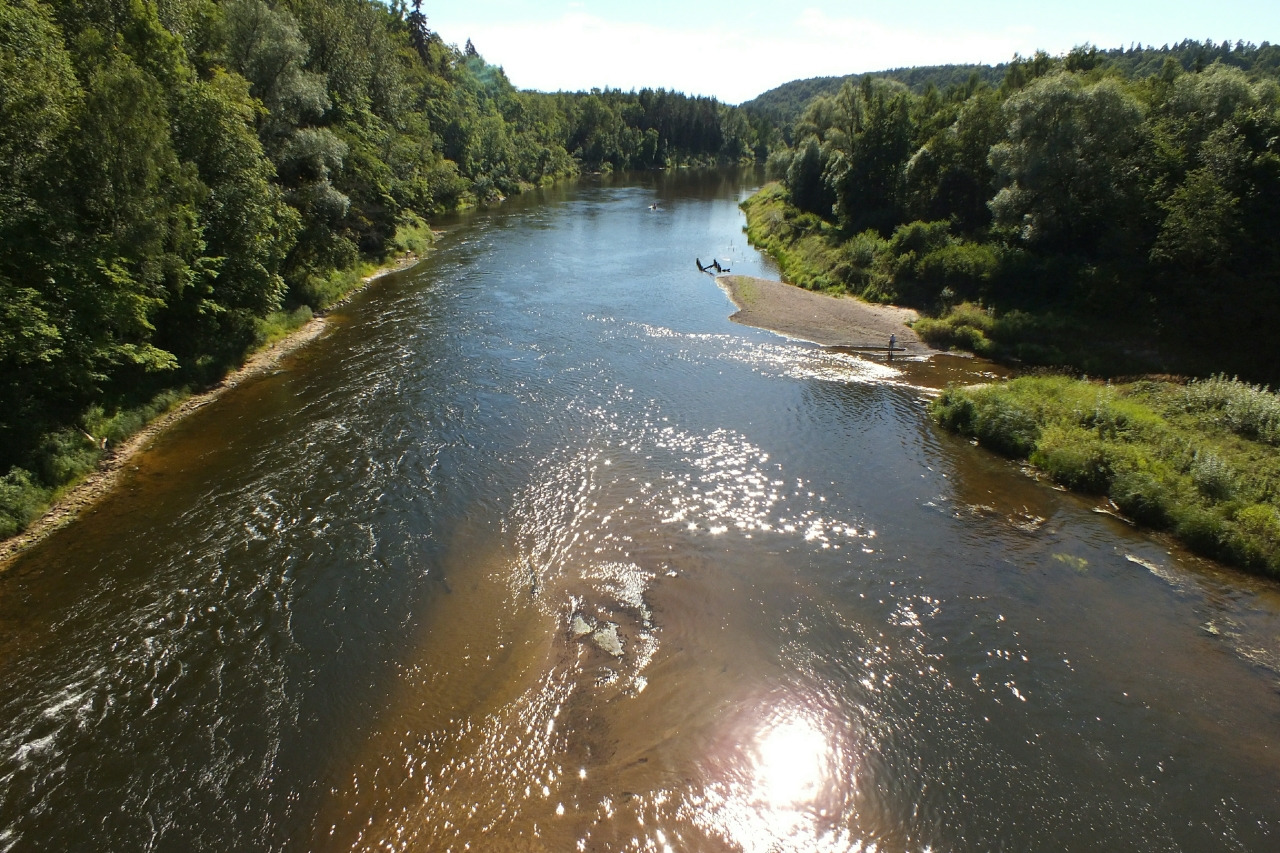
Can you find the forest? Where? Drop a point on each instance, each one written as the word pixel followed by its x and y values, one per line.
pixel 1110 211
pixel 182 180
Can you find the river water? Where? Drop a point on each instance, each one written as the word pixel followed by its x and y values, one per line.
pixel 534 550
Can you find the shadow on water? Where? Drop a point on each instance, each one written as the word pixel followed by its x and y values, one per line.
pixel 535 550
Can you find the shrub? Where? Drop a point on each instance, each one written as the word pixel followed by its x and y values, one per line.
pixel 865 249
pixel 1073 457
pixel 963 267
pixel 1255 539
pixel 1211 475
pixel 955 410
pixel 413 234
pixel 22 499
pixel 920 238
pixel 319 292
pixel 1141 497
pixel 966 327
pixel 1004 426
pixel 1249 410
pixel 65 455
pixel 1202 529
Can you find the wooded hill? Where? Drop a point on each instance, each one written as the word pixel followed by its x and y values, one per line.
pixel 181 179
pixel 784 104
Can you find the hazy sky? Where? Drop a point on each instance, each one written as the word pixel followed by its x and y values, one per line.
pixel 736 50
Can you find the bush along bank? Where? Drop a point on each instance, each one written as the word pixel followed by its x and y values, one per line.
pixel 1198 460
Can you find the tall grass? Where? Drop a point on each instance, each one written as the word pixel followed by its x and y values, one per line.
pixel 279 324
pixel 1196 460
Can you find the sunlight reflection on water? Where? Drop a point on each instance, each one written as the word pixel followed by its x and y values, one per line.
pixel 788 785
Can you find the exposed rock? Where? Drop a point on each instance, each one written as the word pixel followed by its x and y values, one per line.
pixel 607 639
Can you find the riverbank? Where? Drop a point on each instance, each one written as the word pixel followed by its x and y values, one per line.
pixel 1197 460
pixel 956 284
pixel 82 494
pixel 821 318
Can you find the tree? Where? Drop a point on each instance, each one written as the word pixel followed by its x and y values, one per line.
pixel 1068 167
pixel 419 34
pixel 871 143
pixel 248 228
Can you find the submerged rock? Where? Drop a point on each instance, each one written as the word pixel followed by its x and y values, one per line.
pixel 580 627
pixel 607 639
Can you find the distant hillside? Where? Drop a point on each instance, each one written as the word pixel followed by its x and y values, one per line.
pixel 784 104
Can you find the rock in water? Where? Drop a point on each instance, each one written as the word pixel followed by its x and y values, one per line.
pixel 580 627
pixel 607 639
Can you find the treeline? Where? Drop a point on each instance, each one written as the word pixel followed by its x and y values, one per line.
pixel 182 179
pixel 1078 213
pixel 784 104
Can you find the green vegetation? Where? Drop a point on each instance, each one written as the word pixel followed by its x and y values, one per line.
pixel 1198 460
pixel 181 180
pixel 65 455
pixel 1107 210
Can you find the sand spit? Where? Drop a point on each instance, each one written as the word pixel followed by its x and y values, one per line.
pixel 834 321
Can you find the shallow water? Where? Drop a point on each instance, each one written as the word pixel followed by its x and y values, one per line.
pixel 534 550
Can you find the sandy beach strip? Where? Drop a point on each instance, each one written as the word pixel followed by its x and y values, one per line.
pixel 834 321
pixel 98 483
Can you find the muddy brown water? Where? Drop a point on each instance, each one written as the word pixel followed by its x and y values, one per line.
pixel 535 550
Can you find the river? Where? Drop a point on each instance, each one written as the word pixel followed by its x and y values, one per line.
pixel 534 550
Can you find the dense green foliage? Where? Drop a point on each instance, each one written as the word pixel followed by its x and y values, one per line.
pixel 183 179
pixel 1198 460
pixel 1104 211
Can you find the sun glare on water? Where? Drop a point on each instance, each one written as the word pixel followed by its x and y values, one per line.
pixel 792 762
pixel 790 788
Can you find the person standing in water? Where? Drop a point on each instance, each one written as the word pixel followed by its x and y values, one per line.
pixel 893 342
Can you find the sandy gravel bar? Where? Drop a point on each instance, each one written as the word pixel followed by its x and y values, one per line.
pixel 821 319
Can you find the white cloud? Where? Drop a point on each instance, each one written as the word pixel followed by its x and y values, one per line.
pixel 579 51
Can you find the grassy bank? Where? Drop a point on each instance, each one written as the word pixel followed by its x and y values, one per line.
pixel 811 252
pixel 1198 460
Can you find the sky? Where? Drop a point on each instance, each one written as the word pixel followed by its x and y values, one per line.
pixel 736 50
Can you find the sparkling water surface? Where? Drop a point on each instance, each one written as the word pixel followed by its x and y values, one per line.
pixel 535 550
